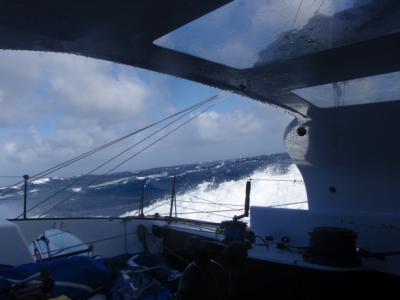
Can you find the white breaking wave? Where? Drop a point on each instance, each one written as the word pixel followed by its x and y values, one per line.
pixel 153 176
pixel 113 182
pixel 41 180
pixel 125 180
pixel 268 188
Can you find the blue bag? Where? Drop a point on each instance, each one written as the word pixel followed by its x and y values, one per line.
pixel 76 277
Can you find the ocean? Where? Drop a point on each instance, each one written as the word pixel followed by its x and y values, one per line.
pixel 212 191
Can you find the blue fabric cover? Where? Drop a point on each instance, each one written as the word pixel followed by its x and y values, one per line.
pixel 87 273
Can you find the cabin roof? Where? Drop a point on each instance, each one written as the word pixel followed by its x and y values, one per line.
pixel 125 31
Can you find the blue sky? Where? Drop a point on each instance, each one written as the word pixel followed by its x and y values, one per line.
pixel 236 33
pixel 55 106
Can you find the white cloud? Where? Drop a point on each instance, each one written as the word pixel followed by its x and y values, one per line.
pixel 34 85
pixel 54 107
pixel 278 16
pixel 252 128
pixel 215 127
pixel 89 87
pixel 10 148
pixel 236 33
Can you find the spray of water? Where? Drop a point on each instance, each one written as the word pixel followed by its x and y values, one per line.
pixel 210 203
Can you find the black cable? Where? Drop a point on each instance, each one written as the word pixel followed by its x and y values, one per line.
pixel 104 240
pixel 176 254
pixel 297 12
pixel 108 161
pixel 104 146
pixel 159 139
pixel 277 180
pixel 198 202
pixel 211 212
pixel 132 156
pixel 263 240
pixel 165 201
pixel 286 204
pixel 55 234
pixel 209 201
pixel 92 242
pixel 319 7
pixel 207 211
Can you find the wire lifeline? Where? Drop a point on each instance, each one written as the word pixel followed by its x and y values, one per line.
pixel 276 180
pixel 287 204
pixel 165 202
pixel 92 242
pixel 211 212
pixel 104 240
pixel 212 203
pixel 216 211
pixel 229 206
pixel 224 205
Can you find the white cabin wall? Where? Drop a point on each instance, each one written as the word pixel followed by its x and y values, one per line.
pixel 90 230
pixel 349 157
pixel 14 248
pixel 377 233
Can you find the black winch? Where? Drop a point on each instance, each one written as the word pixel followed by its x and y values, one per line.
pixel 333 246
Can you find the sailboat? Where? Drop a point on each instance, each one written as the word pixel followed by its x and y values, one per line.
pixel 335 69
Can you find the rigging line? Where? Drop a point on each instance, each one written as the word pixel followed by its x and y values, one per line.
pixel 226 210
pixel 212 203
pixel 176 255
pixel 108 161
pixel 93 242
pixel 224 205
pixel 165 201
pixel 132 156
pixel 319 7
pixel 209 227
pixel 55 234
pixel 161 138
pixel 104 163
pixel 204 211
pixel 286 204
pixel 211 212
pixel 104 146
pixel 297 12
pixel 73 160
pixel 129 158
pixel 278 180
